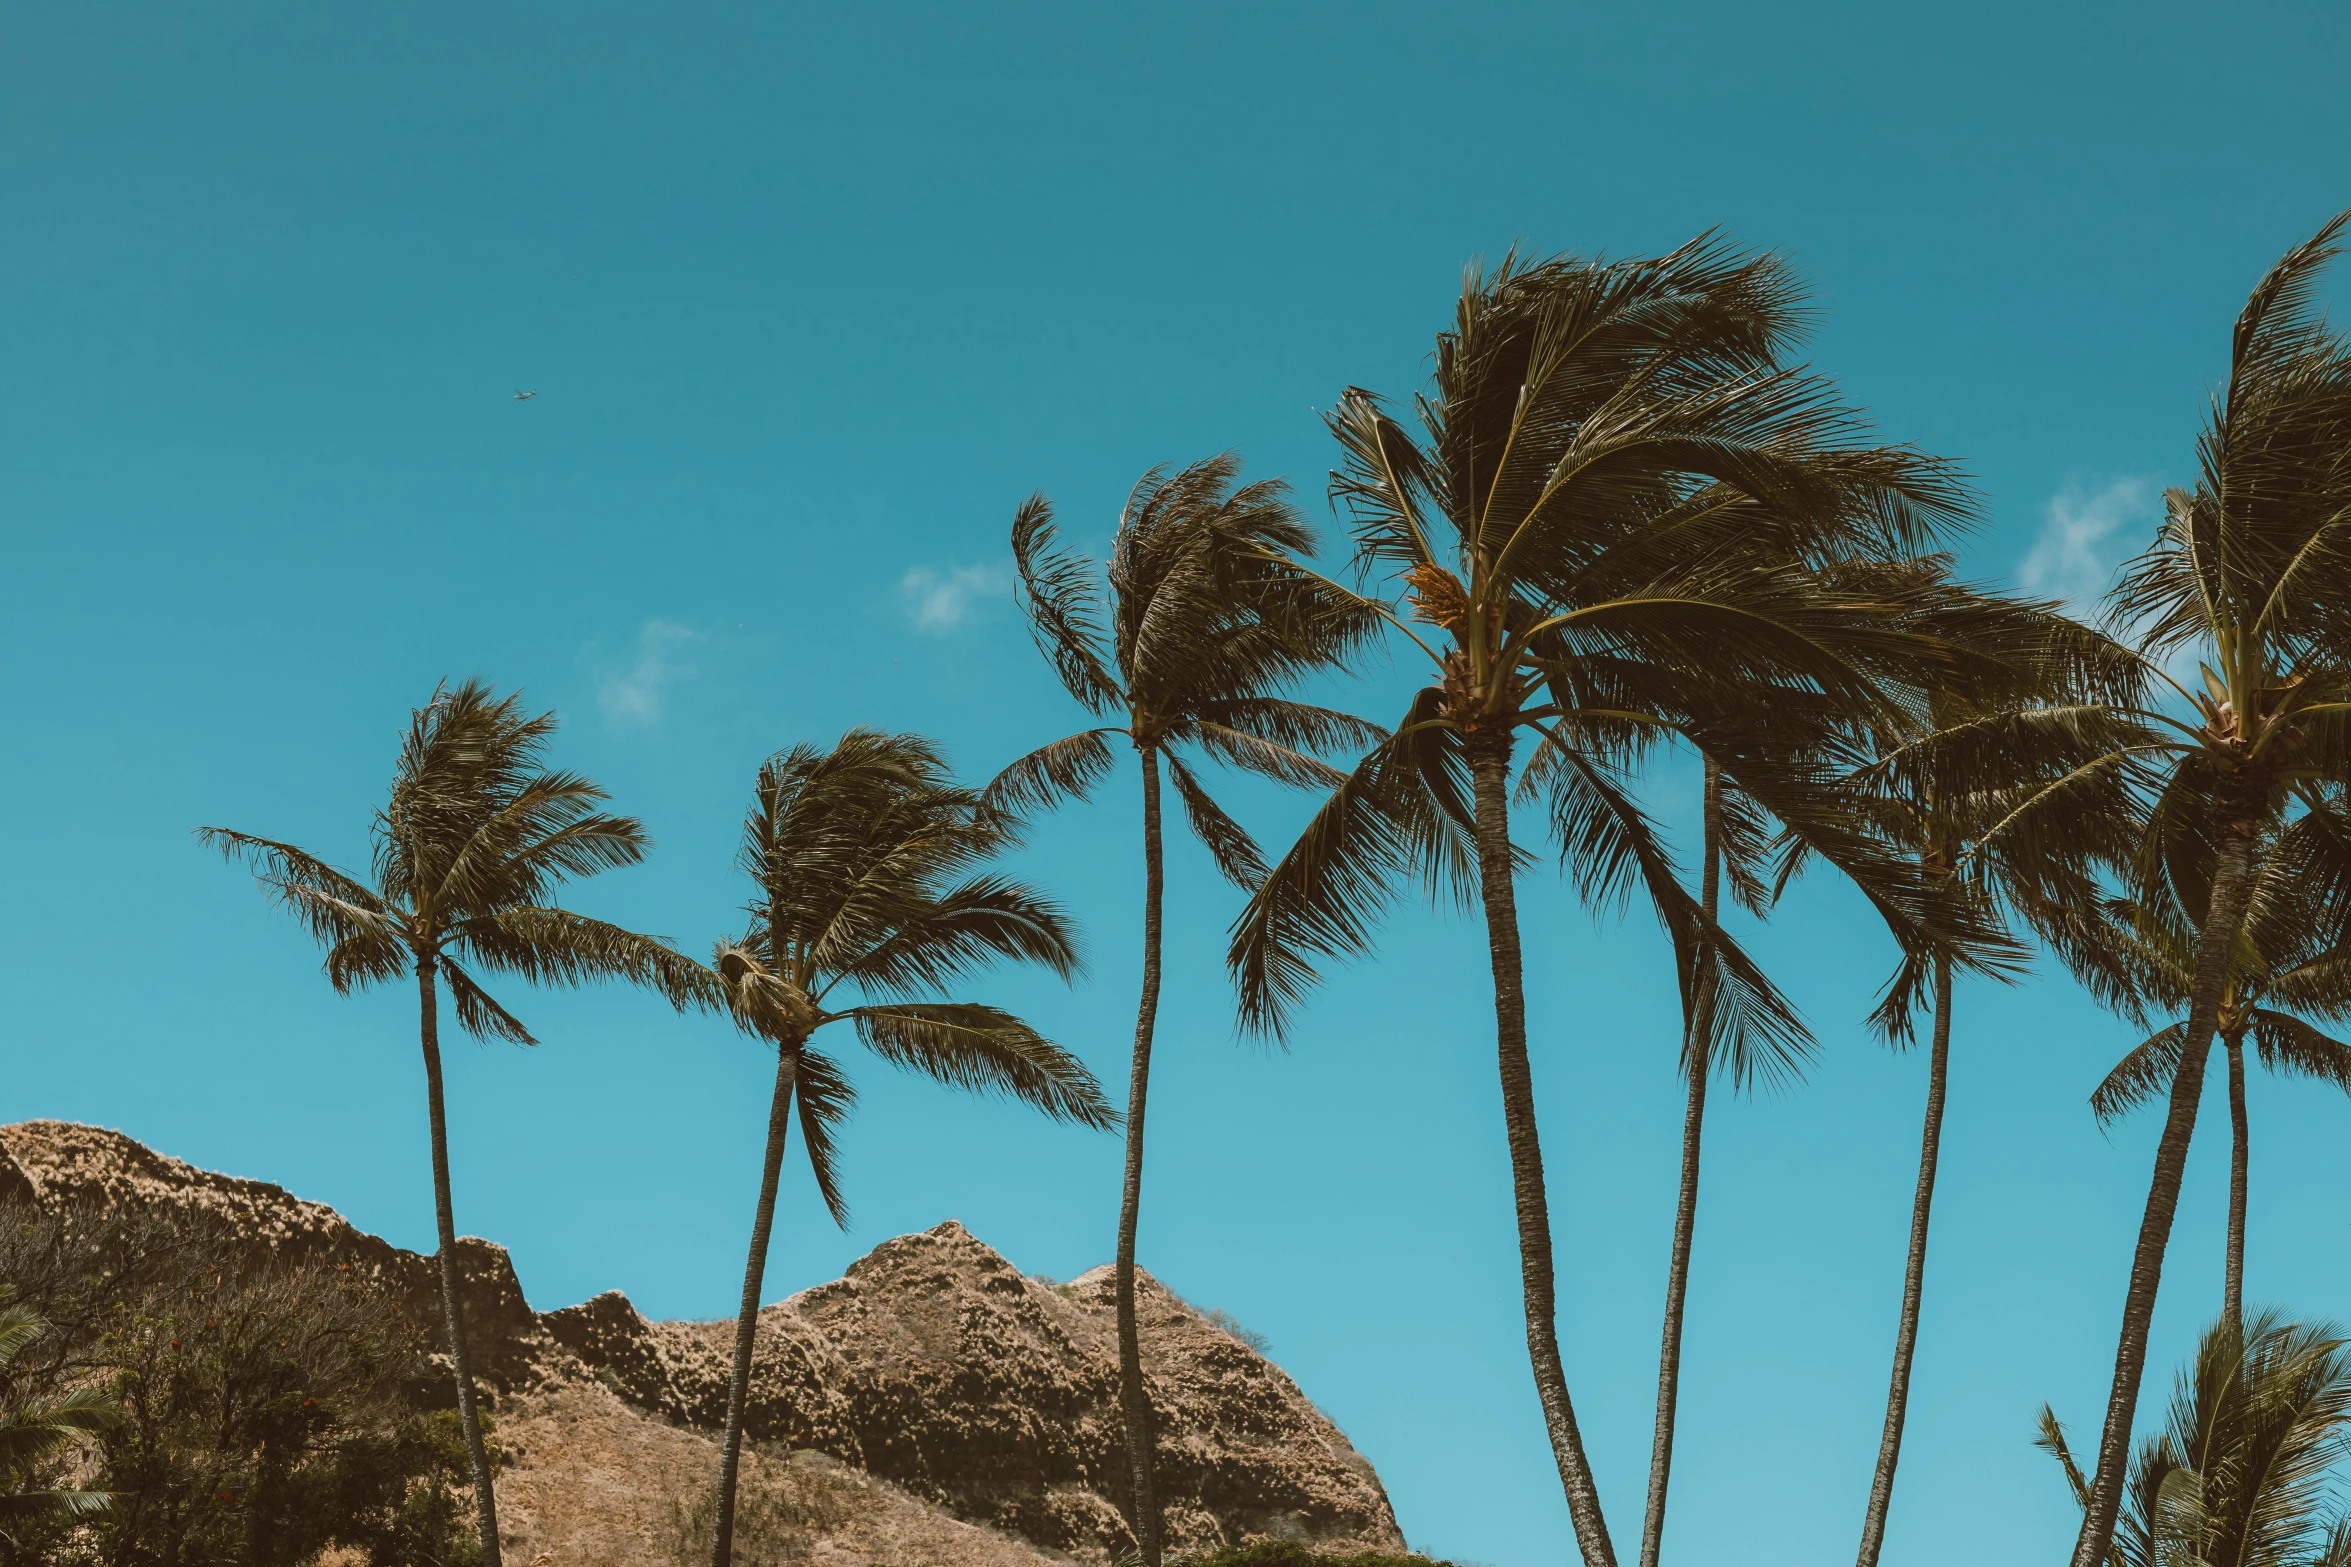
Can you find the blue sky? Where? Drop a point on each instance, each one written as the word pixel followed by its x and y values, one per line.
pixel 812 298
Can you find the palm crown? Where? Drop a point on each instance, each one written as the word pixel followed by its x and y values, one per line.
pixel 1209 620
pixel 2286 976
pixel 2239 1473
pixel 1621 521
pixel 470 852
pixel 1937 782
pixel 869 863
pixel 2250 570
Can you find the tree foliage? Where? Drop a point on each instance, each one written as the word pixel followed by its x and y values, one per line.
pixel 2240 1472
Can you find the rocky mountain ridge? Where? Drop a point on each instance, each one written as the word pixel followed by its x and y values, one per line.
pixel 933 1367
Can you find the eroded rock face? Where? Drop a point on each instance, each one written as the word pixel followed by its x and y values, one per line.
pixel 62 1162
pixel 933 1364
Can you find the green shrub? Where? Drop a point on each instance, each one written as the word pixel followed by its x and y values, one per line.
pixel 268 1412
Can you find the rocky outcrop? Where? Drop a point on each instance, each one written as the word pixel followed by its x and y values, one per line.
pixel 934 1365
pixel 65 1163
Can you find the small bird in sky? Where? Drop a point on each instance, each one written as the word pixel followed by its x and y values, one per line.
pixel 522 396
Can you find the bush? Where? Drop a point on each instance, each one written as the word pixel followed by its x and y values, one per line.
pixel 267 1411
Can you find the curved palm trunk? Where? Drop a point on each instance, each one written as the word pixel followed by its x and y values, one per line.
pixel 1697 1030
pixel 2231 884
pixel 1134 1399
pixel 1489 760
pixel 2232 1289
pixel 1930 1144
pixel 730 1450
pixel 485 1495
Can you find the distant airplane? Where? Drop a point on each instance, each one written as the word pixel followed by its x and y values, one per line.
pixel 522 396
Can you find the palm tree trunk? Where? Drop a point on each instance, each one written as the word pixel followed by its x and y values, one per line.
pixel 730 1450
pixel 1697 1030
pixel 2232 1289
pixel 1489 760
pixel 2231 885
pixel 1930 1144
pixel 485 1496
pixel 1134 1399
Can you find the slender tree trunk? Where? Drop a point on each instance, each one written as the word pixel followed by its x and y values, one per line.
pixel 1930 1144
pixel 1489 759
pixel 2232 1289
pixel 2231 884
pixel 1698 1064
pixel 730 1449
pixel 1133 1397
pixel 485 1495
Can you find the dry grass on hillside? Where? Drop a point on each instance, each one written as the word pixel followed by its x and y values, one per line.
pixel 595 1483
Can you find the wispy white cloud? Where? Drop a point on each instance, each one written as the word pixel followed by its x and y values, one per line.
pixel 2086 535
pixel 941 601
pixel 634 697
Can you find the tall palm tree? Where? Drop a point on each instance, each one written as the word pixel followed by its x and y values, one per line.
pixel 36 1430
pixel 1208 627
pixel 470 852
pixel 1931 789
pixel 2009 648
pixel 2249 571
pixel 1609 531
pixel 867 863
pixel 2239 1474
pixel 2284 975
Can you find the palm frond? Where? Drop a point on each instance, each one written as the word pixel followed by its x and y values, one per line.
pixel 951 934
pixel 1402 812
pixel 1757 1038
pixel 1607 843
pixel 2050 1439
pixel 983 1049
pixel 331 904
pixel 2291 1047
pixel 1063 608
pixel 477 1013
pixel 549 946
pixel 24 1507
pixel 2141 1077
pixel 1228 843
pixel 1266 758
pixel 825 1097
pixel 1067 769
pixel 1293 726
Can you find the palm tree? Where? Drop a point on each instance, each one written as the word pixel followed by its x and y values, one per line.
pixel 2248 569
pixel 1208 626
pixel 1612 531
pixel 2240 1473
pixel 1933 787
pixel 2283 976
pixel 35 1431
pixel 2011 649
pixel 867 863
pixel 470 851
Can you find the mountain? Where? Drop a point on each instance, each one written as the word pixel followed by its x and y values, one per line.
pixel 933 1405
